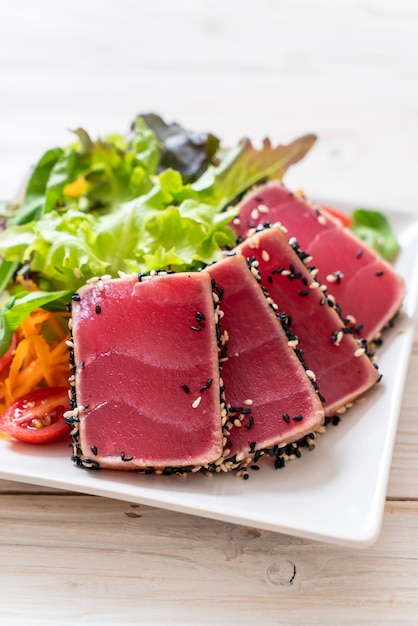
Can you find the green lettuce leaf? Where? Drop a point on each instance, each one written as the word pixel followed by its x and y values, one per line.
pixel 67 248
pixel 374 228
pixel 104 206
pixel 17 308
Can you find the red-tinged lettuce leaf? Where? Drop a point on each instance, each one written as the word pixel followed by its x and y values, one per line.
pixel 186 151
pixel 244 166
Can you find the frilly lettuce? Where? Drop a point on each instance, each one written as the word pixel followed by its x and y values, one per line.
pixel 100 207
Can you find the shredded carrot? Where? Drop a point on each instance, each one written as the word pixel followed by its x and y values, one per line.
pixel 40 358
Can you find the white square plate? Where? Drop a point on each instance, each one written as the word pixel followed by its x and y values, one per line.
pixel 335 493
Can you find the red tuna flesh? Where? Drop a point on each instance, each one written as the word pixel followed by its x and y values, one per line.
pixel 147 369
pixel 262 375
pixel 327 349
pixel 364 284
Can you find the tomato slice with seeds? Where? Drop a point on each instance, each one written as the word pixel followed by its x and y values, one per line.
pixel 37 417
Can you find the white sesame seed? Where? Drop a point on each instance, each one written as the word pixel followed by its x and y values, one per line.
pixel 248 402
pixel 359 352
pixel 310 374
pixel 265 256
pixel 351 319
pixel 322 220
pixel 331 278
pixel 255 214
pixel 196 402
pixel 92 280
pixel 263 208
pixel 280 225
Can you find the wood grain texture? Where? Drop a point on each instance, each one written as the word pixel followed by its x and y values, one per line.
pixel 142 565
pixel 346 71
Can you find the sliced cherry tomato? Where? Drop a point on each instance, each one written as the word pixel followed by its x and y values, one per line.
pixel 37 417
pixel 7 357
pixel 345 220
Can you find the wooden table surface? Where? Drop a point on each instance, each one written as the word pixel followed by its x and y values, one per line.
pixel 347 71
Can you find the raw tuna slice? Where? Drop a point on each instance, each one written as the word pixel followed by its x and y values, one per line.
pixel 339 361
pixel 365 286
pixel 268 393
pixel 147 373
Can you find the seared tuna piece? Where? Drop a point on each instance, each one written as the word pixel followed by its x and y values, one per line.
pixel 146 373
pixel 339 362
pixel 269 396
pixel 366 287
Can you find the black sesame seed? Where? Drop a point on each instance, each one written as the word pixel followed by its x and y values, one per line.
pixel 258 454
pixel 270 279
pixel 94 450
pixel 76 297
pixel 359 253
pixel 196 327
pixel 98 309
pixel 185 387
pixel 304 292
pixel 206 385
pixel 380 273
pixel 200 317
pixel 286 418
pixel 335 420
pixel 250 423
pixel 298 418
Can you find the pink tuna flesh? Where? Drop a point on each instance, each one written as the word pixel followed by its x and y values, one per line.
pixel 143 352
pixel 262 375
pixel 328 350
pixel 367 288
